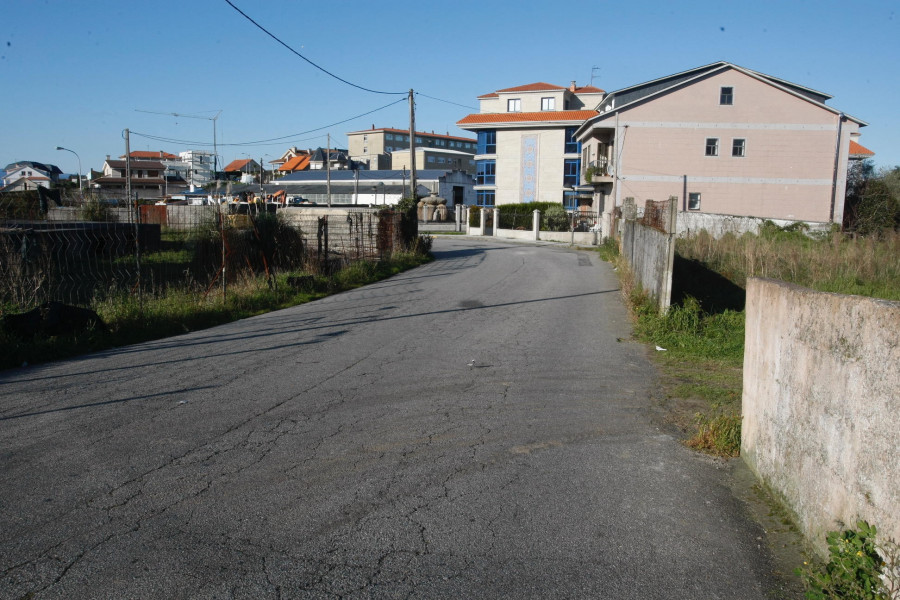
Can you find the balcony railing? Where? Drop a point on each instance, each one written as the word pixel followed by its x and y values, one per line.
pixel 598 171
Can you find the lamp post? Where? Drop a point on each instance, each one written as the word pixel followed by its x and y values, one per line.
pixel 79 165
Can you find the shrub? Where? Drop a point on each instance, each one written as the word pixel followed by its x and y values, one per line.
pixel 855 568
pixel 94 210
pixel 555 218
pixel 474 216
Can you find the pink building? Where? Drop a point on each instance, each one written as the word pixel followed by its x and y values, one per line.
pixel 724 140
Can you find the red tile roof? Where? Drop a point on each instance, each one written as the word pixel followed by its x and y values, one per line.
pixel 528 117
pixel 151 154
pixel 543 87
pixel 532 87
pixel 237 165
pixel 859 150
pixel 297 163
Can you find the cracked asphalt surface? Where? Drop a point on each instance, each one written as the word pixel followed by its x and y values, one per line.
pixel 347 449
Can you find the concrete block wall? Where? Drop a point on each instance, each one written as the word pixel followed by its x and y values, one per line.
pixel 821 405
pixel 692 223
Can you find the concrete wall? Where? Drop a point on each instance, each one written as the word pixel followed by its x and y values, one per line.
pixel 821 405
pixel 651 254
pixel 691 223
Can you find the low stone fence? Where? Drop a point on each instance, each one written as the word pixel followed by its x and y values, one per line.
pixel 821 405
pixel 579 238
pixel 692 223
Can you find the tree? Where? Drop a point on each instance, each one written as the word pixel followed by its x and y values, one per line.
pixel 872 203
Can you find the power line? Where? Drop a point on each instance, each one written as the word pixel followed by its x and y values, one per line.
pixel 447 101
pixel 277 140
pixel 274 37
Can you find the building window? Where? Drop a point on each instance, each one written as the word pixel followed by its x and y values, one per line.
pixel 388 136
pixel 431 159
pixel 485 172
pixel 712 146
pixel 726 96
pixel 572 146
pixel 365 137
pixel 441 160
pixel 487 142
pixel 570 200
pixel 514 105
pixel 694 201
pixel 571 172
pixel 738 147
pixel 418 140
pixel 484 197
pixel 548 103
pixel 365 149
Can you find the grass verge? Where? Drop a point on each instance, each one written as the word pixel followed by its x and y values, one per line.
pixel 130 321
pixel 700 359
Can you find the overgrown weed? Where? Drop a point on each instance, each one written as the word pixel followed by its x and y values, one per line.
pixel 835 262
pixel 131 319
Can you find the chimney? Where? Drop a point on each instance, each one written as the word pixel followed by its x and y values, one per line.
pixel 572 87
pixel 107 157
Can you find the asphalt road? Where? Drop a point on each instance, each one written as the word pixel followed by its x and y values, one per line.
pixel 351 448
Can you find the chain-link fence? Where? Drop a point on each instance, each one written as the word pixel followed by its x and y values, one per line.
pixel 59 247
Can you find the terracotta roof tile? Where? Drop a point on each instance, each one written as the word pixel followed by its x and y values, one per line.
pixel 491 95
pixel 297 163
pixel 533 87
pixel 528 117
pixel 589 89
pixel 237 165
pixel 158 154
pixel 859 150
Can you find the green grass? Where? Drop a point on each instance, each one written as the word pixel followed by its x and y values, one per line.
pixel 130 319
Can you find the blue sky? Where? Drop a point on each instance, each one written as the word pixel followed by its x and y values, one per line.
pixel 75 73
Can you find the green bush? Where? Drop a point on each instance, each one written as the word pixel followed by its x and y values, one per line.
pixel 854 568
pixel 520 215
pixel 555 218
pixel 94 210
pixel 474 216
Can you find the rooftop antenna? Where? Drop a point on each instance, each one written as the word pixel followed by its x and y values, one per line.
pixel 593 69
pixel 213 119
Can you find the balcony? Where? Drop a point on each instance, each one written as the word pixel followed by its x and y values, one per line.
pixel 598 172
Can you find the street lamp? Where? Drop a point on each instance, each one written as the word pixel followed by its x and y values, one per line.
pixel 79 165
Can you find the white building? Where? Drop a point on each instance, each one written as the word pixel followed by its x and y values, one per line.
pixel 526 147
pixel 196 167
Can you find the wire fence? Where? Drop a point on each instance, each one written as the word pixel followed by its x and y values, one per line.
pixel 60 248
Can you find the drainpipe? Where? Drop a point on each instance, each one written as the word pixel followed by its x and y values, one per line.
pixel 837 164
pixel 684 195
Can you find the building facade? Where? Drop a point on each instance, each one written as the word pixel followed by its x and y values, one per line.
pixel 722 139
pixel 29 175
pixel 526 150
pixel 364 187
pixel 374 147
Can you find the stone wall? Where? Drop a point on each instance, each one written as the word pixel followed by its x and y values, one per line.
pixel 821 405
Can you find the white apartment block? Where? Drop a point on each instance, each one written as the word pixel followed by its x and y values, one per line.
pixel 526 150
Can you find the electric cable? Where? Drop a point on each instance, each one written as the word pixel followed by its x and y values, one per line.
pixel 274 37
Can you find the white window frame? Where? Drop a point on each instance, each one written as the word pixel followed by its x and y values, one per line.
pixel 714 146
pixel 743 147
pixel 514 105
pixel 548 103
pixel 694 201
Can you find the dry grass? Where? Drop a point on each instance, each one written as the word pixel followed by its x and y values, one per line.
pixel 836 263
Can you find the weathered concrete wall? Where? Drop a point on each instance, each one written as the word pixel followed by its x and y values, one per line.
pixel 821 405
pixel 690 223
pixel 650 253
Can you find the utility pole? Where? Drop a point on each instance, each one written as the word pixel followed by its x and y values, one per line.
pixel 412 145
pixel 328 170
